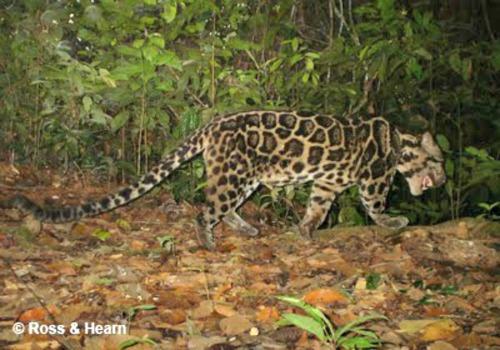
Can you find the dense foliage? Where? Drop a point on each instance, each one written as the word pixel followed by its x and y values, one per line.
pixel 112 85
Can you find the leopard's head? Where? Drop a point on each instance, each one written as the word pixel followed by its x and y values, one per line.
pixel 421 163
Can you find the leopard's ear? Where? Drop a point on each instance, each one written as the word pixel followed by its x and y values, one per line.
pixel 430 146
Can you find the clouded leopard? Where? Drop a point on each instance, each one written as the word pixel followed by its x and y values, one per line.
pixel 275 148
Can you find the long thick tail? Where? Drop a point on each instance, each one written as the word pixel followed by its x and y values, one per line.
pixel 193 146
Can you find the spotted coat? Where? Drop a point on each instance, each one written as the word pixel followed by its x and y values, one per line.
pixel 275 148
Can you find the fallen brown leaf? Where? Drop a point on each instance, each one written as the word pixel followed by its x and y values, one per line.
pixel 205 309
pixel 234 325
pixel 443 329
pixel 325 296
pixel 38 313
pixel 224 310
pixel 267 314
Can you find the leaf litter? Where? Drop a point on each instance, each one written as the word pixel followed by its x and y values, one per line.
pixel 141 266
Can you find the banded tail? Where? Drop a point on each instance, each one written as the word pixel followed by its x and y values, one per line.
pixel 191 147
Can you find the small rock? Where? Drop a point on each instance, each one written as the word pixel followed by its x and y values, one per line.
pixel 486 327
pixel 360 284
pixel 254 331
pixel 441 345
pixel 391 338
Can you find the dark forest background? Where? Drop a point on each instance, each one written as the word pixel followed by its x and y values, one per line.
pixel 111 86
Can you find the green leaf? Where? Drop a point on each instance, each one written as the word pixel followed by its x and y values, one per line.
pixel 357 343
pixel 129 343
pixel 305 77
pixel 387 9
pixel 106 77
pixel 309 64
pixel 169 11
pixel 455 62
pixel 145 307
pixel 150 2
pixel 104 281
pixel 126 71
pixel 309 309
pixel 129 51
pixel 313 55
pixel 276 64
pixel 135 341
pixel 138 43
pixel 165 86
pixel 150 53
pixel 240 44
pixel 372 281
pixel 415 68
pixel 296 58
pixel 449 168
pixel 349 215
pixel 123 224
pixel 443 142
pixel 479 153
pixel 49 17
pixel 169 58
pixel 98 116
pixel 424 53
pixel 164 240
pixel 101 234
pixel 87 103
pixel 157 40
pixel 119 120
pixel 134 309
pixel 350 327
pixel 93 14
pixel 306 323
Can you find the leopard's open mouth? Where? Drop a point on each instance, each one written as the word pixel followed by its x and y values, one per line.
pixel 427 182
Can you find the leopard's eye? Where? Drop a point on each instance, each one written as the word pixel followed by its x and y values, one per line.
pixel 408 155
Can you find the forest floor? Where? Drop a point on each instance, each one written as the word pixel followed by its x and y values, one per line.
pixel 141 266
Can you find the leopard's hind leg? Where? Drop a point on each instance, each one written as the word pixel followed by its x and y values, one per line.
pixel 228 184
pixel 233 219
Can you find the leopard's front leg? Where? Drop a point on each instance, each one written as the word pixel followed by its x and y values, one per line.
pixel 320 201
pixel 373 197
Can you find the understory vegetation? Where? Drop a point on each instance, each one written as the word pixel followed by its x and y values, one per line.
pixel 110 87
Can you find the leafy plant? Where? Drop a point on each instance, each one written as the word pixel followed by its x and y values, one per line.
pixel 489 210
pixel 136 341
pixel 167 242
pixel 284 201
pixel 111 97
pixel 373 280
pixel 132 311
pixel 350 336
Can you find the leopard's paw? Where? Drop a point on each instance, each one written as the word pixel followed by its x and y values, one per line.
pixel 393 222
